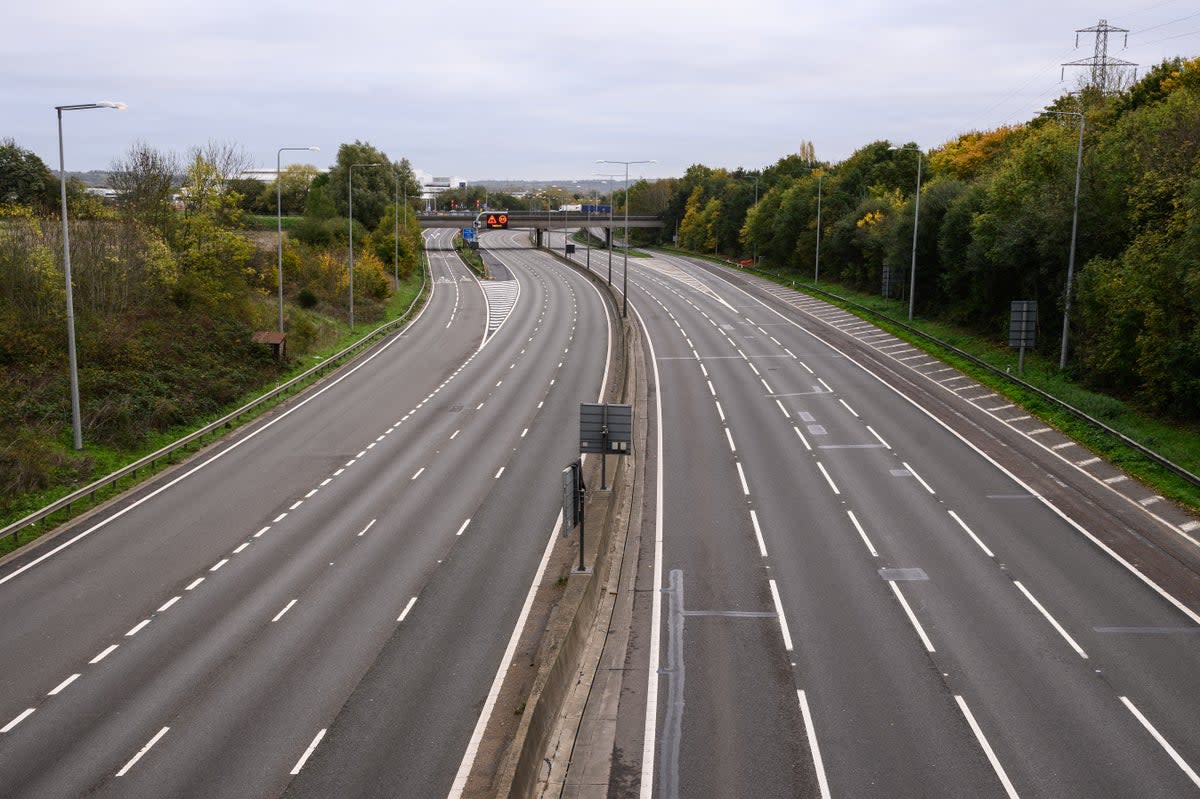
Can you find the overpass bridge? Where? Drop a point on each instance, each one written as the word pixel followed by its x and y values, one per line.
pixel 533 220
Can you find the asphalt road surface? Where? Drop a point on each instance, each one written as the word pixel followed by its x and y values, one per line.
pixel 866 584
pixel 317 605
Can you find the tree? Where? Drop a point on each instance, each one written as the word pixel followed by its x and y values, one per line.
pixel 294 183
pixel 145 180
pixel 373 186
pixel 24 178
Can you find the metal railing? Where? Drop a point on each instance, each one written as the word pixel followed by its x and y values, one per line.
pixel 333 362
pixel 1145 451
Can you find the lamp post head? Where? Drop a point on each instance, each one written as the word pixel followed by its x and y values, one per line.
pixel 112 104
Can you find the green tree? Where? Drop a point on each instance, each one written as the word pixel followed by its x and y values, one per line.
pixel 145 180
pixel 24 178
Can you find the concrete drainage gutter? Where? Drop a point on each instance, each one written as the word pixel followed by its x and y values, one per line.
pixel 513 762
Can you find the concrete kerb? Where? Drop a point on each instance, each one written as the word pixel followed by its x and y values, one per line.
pixel 566 633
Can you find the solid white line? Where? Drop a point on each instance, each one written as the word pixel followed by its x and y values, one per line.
pixel 1054 622
pixel 286 608
pixel 913 472
pixel 912 617
pixel 307 752
pixel 407 608
pixel 464 767
pixel 783 625
pixel 650 724
pixel 810 731
pixel 720 410
pixel 62 685
pixel 828 479
pixel 194 583
pixel 1179 761
pixel 786 415
pixel 879 437
pixel 370 524
pixel 137 628
pixel 971 533
pixel 167 605
pixel 762 546
pixel 861 532
pixel 729 436
pixel 742 477
pixel 987 748
pixel 17 720
pixel 142 751
pixel 219 564
pixel 807 446
pixel 464 527
pixel 848 408
pixel 418 474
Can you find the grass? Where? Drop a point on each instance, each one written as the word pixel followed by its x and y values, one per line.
pixel 470 257
pixel 270 222
pixel 1175 442
pixel 110 459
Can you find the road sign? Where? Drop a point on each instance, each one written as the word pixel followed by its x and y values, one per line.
pixel 468 234
pixel 497 221
pixel 572 486
pixel 1022 324
pixel 605 428
pixel 1022 328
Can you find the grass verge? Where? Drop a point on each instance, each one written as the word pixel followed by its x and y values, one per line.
pixel 110 459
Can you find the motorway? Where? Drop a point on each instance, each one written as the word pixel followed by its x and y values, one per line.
pixel 318 604
pixel 855 580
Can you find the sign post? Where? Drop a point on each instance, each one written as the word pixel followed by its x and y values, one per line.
pixel 573 497
pixel 1022 328
pixel 606 430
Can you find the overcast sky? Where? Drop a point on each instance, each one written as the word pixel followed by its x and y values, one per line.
pixel 516 89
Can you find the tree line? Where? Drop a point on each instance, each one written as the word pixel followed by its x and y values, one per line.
pixel 169 285
pixel 995 226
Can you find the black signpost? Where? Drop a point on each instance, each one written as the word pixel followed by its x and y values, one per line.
pixel 1022 328
pixel 606 430
pixel 573 496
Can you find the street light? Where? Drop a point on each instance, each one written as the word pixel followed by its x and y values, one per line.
pixel 817 255
pixel 351 212
pixel 912 286
pixel 1062 359
pixel 76 424
pixel 754 241
pixel 610 220
pixel 279 219
pixel 625 276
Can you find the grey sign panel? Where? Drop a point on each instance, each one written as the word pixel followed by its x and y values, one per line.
pixel 1022 324
pixel 571 504
pixel 605 428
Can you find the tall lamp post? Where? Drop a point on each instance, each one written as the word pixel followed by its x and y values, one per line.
pixel 279 218
pixel 817 254
pixel 625 275
pixel 754 242
pixel 76 424
pixel 912 285
pixel 1062 358
pixel 350 192
pixel 610 179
